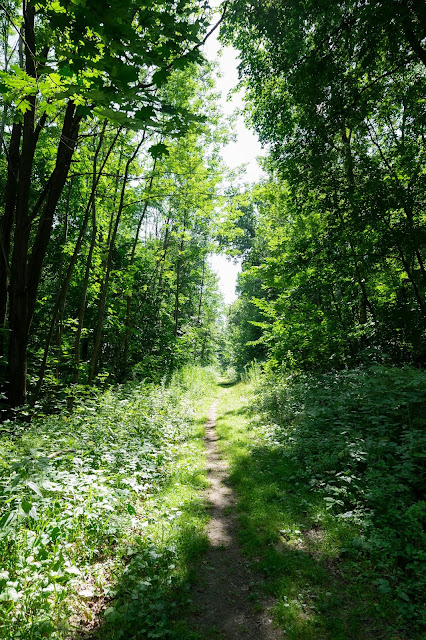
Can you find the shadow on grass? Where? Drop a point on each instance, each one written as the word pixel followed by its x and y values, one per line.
pixel 152 589
pixel 153 592
pixel 319 595
pixel 227 384
pixel 243 411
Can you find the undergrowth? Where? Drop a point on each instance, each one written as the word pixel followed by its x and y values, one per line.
pixel 101 514
pixel 353 442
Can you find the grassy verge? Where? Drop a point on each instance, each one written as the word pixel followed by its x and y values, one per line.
pixel 306 480
pixel 101 516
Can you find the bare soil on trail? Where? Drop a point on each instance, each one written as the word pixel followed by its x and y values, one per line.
pixel 226 599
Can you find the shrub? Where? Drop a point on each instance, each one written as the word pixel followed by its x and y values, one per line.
pixel 358 438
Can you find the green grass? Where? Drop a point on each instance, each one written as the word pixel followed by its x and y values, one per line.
pixel 102 511
pixel 295 540
pixel 102 514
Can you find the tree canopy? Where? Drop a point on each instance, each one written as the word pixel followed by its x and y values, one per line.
pixel 104 138
pixel 337 92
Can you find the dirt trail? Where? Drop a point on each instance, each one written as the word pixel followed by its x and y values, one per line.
pixel 223 599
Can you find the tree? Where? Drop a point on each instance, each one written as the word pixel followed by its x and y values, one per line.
pixel 78 61
pixel 335 89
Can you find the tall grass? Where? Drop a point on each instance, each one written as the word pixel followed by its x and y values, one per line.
pixel 252 373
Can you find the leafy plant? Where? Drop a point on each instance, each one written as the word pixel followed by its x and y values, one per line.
pixel 356 439
pixel 85 511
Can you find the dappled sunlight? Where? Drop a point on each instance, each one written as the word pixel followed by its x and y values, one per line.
pixel 212 390
pixel 222 595
pixel 294 541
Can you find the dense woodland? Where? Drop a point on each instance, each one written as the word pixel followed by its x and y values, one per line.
pixel 110 174
pixel 334 240
pixel 113 195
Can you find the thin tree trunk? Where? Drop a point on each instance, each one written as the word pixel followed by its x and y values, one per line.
pixel 6 226
pixel 201 293
pixel 409 10
pixel 64 288
pixel 132 260
pixel 18 298
pixel 26 269
pixel 409 272
pixel 199 323
pixel 65 152
pixel 105 282
pixel 60 273
pixel 404 201
pixel 348 161
pixel 177 290
pixel 5 44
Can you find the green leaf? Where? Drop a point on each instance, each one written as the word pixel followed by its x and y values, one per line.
pixel 6 519
pixel 26 506
pixel 145 113
pixel 83 110
pixel 160 77
pixel 180 63
pixel 57 7
pixel 159 150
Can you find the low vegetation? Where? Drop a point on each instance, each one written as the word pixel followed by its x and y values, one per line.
pixel 101 513
pixel 113 196
pixel 328 477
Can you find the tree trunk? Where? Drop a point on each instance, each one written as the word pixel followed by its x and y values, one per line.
pixel 105 282
pixel 177 290
pixel 26 269
pixel 6 226
pixel 60 273
pixel 82 309
pixel 132 261
pixel 413 14
pixel 18 300
pixel 350 177
pixel 65 285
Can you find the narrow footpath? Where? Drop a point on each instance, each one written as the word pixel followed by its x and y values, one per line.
pixel 223 597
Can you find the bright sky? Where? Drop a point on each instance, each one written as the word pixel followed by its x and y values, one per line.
pixel 243 151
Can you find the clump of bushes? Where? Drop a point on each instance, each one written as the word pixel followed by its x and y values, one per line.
pixel 74 490
pixel 358 439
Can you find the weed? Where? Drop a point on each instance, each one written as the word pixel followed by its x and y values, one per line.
pixel 100 510
pixel 328 481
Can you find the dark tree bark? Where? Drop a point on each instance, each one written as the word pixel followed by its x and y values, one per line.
pixel 18 294
pixel 64 288
pixel 27 265
pixel 6 226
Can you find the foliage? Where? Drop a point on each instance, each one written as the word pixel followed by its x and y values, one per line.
pixel 356 440
pixel 336 91
pixel 102 506
pixel 103 57
pixel 104 214
pixel 331 575
pixel 126 287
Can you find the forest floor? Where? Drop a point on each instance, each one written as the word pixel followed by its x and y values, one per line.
pixel 188 512
pixel 226 600
pixel 274 567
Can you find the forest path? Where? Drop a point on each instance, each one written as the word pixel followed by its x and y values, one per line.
pixel 223 597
